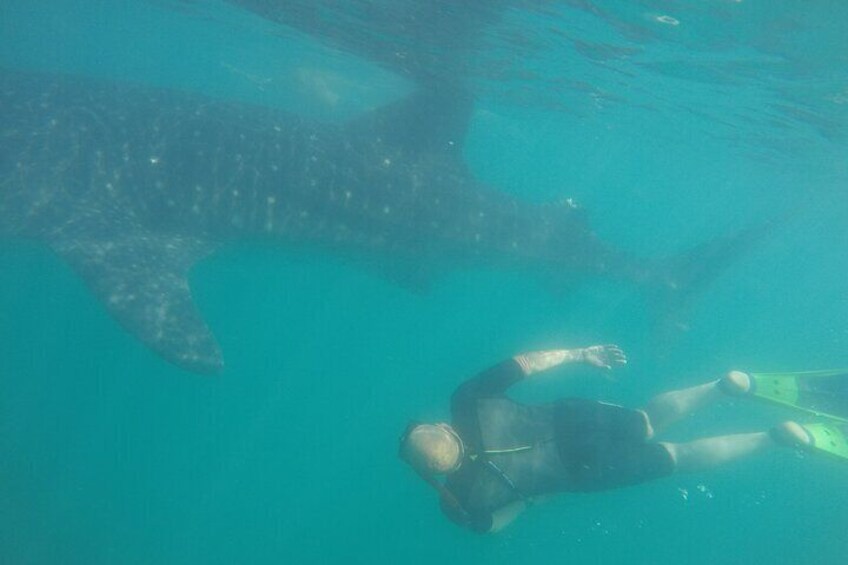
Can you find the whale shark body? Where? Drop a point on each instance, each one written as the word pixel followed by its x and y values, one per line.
pixel 132 185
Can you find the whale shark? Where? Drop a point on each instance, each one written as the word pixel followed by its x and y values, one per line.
pixel 133 185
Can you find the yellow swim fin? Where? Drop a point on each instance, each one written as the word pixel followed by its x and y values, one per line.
pixel 821 393
pixel 828 437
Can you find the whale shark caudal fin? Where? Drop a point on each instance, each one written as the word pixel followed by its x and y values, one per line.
pixel 141 278
pixel 674 284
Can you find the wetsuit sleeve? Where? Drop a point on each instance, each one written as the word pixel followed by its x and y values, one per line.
pixel 479 522
pixel 490 383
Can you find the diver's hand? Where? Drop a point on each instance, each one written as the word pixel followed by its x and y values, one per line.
pixel 604 356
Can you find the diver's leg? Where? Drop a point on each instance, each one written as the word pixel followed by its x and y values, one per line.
pixel 672 406
pixel 707 453
pixel 710 452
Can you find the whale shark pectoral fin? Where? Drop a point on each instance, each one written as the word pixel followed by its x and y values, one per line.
pixel 142 279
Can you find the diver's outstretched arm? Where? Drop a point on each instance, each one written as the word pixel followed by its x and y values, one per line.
pixel 602 356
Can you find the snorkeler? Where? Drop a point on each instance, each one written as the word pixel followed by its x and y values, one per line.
pixel 499 456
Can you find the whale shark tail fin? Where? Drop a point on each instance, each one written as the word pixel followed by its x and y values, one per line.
pixel 675 284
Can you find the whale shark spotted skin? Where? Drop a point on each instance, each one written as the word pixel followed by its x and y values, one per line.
pixel 133 185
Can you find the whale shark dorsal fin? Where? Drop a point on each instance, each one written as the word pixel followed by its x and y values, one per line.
pixel 433 119
pixel 141 278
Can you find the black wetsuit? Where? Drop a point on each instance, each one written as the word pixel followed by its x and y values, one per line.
pixel 514 451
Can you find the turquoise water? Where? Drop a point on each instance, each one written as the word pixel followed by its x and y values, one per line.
pixel 668 133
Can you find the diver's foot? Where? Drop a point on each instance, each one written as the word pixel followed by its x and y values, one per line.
pixel 736 383
pixel 791 434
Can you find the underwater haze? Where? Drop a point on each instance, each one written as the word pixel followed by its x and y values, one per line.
pixel 671 123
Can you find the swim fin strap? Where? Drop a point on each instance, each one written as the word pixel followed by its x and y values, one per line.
pixel 795 390
pixel 829 438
